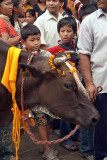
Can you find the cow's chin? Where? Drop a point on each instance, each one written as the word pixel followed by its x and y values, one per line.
pixel 85 126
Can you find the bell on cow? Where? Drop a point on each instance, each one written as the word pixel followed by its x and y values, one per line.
pixel 61 60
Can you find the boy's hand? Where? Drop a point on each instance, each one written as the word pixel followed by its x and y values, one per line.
pixel 35 52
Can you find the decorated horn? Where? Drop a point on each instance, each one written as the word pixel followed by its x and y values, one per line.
pixel 60 60
pixel 69 52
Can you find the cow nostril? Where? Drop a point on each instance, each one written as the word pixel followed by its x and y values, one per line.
pixel 94 120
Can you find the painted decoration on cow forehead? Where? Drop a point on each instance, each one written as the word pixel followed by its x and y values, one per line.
pixel 26 73
pixel 59 71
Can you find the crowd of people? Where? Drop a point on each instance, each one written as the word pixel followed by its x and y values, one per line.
pixel 47 28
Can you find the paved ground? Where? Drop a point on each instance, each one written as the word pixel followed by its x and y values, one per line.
pixel 30 151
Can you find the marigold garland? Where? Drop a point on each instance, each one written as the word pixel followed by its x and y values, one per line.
pixel 59 71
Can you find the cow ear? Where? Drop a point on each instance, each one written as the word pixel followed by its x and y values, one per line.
pixel 28 68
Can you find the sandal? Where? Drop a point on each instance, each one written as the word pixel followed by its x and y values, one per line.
pixel 50 156
pixel 72 147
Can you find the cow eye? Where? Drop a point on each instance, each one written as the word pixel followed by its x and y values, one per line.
pixel 68 85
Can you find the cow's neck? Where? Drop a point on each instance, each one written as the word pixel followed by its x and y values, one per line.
pixel 29 97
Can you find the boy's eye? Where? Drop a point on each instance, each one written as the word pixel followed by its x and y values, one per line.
pixel 8 4
pixel 54 0
pixel 69 31
pixel 32 40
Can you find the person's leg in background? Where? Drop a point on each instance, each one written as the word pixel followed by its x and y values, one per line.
pixel 86 145
pixel 100 135
pixel 65 129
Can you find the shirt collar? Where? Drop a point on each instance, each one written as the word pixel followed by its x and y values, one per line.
pixel 50 16
pixel 101 13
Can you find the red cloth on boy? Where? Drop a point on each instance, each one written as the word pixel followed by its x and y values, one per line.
pixel 61 47
pixel 55 49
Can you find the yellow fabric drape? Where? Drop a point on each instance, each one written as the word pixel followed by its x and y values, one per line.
pixel 9 81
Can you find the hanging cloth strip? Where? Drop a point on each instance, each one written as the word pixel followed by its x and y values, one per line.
pixel 9 81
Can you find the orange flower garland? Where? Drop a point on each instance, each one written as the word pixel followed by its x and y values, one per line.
pixel 59 71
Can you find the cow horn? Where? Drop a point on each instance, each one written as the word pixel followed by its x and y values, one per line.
pixel 60 60
pixel 69 52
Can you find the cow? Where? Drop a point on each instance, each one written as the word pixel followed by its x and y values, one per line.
pixel 59 94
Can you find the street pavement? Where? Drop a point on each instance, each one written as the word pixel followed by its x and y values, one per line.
pixel 30 151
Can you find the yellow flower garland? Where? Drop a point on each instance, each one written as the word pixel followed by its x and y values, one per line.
pixel 59 71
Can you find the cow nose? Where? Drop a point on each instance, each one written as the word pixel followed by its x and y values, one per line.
pixel 93 120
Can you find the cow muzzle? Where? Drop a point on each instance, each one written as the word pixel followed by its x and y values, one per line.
pixel 93 120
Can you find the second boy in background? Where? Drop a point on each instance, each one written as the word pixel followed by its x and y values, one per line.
pixel 67 28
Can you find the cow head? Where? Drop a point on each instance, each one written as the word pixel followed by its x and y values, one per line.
pixel 60 94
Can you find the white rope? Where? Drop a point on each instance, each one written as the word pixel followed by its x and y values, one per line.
pixel 76 77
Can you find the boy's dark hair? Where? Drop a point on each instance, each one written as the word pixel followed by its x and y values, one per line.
pixel 86 10
pixel 31 11
pixel 70 21
pixel 28 30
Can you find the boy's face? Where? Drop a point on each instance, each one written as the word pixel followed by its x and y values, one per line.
pixel 32 43
pixel 66 33
pixel 102 4
pixel 52 6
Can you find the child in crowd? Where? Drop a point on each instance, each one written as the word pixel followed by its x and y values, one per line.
pixel 30 17
pixel 31 39
pixel 67 28
pixel 18 9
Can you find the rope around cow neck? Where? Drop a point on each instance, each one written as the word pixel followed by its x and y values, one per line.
pixel 27 120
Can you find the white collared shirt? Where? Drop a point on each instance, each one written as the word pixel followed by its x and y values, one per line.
pixel 93 41
pixel 47 24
